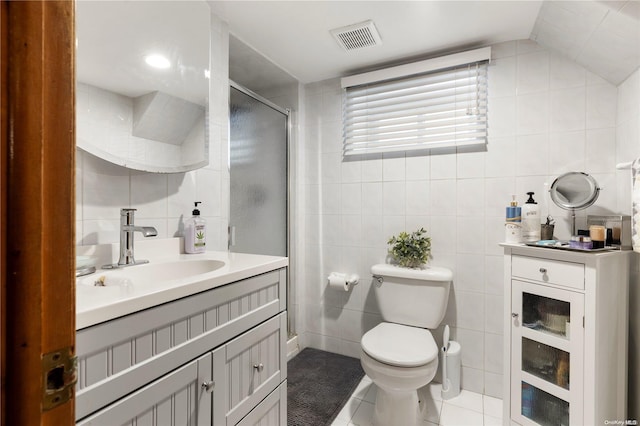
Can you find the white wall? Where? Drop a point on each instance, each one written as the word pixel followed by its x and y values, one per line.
pixel 547 116
pixel 162 200
pixel 628 148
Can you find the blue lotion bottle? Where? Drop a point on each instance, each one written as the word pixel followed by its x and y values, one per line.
pixel 514 213
pixel 513 225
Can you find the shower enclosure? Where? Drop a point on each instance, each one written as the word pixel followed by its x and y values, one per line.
pixel 258 164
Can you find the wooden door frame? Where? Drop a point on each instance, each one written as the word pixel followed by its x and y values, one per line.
pixel 4 153
pixel 38 202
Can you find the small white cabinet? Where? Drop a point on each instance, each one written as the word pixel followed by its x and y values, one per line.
pixel 565 351
pixel 212 358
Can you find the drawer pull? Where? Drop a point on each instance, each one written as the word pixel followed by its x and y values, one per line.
pixel 543 270
pixel 208 386
pixel 259 367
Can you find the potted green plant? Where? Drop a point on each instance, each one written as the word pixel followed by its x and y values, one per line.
pixel 410 250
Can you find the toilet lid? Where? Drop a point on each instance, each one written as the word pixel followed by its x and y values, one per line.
pixel 400 345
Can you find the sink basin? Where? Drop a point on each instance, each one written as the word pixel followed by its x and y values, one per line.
pixel 151 273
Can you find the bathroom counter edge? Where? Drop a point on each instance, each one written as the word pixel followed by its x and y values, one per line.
pixel 565 255
pixel 94 307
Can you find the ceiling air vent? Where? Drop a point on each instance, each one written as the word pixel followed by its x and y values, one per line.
pixel 357 36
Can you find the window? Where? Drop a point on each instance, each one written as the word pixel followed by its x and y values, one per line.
pixel 436 103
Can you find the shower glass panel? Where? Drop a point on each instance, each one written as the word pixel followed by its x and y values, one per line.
pixel 258 172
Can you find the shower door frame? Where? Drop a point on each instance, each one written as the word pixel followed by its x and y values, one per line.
pixel 287 113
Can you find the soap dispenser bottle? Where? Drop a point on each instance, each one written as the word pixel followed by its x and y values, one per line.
pixel 195 232
pixel 531 220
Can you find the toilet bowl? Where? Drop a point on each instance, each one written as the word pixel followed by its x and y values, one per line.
pixel 400 355
pixel 399 359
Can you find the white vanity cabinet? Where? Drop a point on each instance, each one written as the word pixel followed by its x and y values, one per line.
pixel 566 325
pixel 211 358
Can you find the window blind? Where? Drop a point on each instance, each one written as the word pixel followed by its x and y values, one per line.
pixel 433 109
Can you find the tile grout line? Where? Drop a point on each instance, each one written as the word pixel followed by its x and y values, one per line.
pixel 473 408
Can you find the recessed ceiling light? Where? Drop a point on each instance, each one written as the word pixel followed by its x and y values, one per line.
pixel 157 61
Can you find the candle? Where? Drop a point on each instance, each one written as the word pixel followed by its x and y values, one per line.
pixel 597 234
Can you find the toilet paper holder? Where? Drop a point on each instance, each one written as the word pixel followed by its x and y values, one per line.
pixel 344 280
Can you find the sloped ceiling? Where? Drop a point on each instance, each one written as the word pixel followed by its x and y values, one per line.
pixel 602 36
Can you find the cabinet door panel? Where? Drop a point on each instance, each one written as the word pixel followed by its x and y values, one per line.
pixel 545 362
pixel 175 399
pixel 272 411
pixel 255 366
pixel 542 407
pixel 547 336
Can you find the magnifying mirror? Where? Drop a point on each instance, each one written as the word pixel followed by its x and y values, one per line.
pixel 574 191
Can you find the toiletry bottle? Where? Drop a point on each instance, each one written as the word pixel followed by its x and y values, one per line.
pixel 514 213
pixel 513 225
pixel 195 232
pixel 530 220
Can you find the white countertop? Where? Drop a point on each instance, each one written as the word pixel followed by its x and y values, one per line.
pixel 98 304
pixel 566 254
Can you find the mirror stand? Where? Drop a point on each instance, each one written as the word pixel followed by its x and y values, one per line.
pixel 574 191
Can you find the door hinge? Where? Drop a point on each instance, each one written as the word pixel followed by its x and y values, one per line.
pixel 59 374
pixel 583 322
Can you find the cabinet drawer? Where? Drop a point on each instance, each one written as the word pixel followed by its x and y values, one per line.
pixel 567 274
pixel 272 411
pixel 255 365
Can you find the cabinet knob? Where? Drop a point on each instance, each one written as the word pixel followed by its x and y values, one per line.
pixel 259 367
pixel 208 386
pixel 543 270
pixel 515 314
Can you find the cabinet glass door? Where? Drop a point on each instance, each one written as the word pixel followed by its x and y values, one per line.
pixel 547 338
pixel 545 362
pixel 546 314
pixel 542 407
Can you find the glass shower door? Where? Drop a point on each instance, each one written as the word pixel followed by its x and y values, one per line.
pixel 258 173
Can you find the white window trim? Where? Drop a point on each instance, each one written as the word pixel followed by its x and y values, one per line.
pixel 442 62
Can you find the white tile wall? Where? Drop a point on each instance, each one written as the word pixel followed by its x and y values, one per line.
pixel 628 144
pixel 161 200
pixel 547 115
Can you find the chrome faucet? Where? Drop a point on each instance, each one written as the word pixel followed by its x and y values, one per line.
pixel 127 228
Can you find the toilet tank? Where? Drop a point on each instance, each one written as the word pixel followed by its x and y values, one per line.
pixel 416 297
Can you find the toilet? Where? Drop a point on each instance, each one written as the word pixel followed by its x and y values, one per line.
pixel 399 354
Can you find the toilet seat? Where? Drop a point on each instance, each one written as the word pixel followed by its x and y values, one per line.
pixel 400 345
